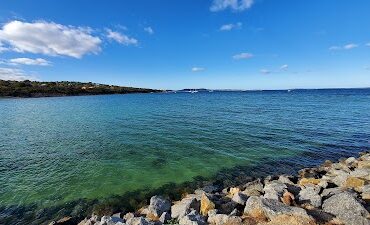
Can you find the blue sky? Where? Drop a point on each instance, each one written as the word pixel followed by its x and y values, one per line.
pixel 173 44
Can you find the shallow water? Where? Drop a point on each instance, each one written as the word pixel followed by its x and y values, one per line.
pixel 58 150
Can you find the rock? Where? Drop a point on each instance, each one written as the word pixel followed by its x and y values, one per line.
pixel 228 207
pixel 308 173
pixel 308 181
pixel 139 221
pixel 288 198
pixel 184 207
pixel 366 193
pixel 361 173
pixel 354 183
pixel 159 205
pixel 311 196
pixel 270 208
pixel 193 218
pixel 235 212
pixel 234 190
pixel 274 190
pixel 128 216
pixel 290 220
pixel 339 177
pixel 240 198
pixel 206 204
pixel 347 209
pixel 351 162
pixel 107 220
pixel 364 164
pixel 165 217
pixel 253 188
pixel 119 215
pixel 326 193
pixel 221 219
pixel 285 179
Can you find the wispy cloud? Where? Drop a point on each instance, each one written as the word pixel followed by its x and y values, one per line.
pixel 15 74
pixel 28 62
pixel 231 26
pixel 368 44
pixel 243 55
pixel 197 69
pixel 235 5
pixel 265 71
pixel 121 38
pixel 149 30
pixel 49 38
pixel 345 47
pixel 284 67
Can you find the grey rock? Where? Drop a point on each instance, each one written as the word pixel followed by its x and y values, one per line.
pixel 139 221
pixel 347 209
pixel 253 188
pixel 107 220
pixel 184 207
pixel 338 177
pixel 240 198
pixel 227 207
pixel 361 173
pixel 310 195
pixel 274 190
pixel 159 205
pixel 119 215
pixel 193 218
pixel 285 179
pixel 273 208
pixel 326 193
pixel 220 219
pixel 165 217
pixel 235 212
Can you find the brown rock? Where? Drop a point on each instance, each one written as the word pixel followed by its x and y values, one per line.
pixel 206 205
pixel 291 220
pixel 354 183
pixel 364 164
pixel 307 181
pixel 288 198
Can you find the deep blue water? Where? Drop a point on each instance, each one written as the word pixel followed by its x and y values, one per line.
pixel 55 151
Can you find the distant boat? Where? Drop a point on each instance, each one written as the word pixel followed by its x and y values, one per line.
pixel 289 90
pixel 193 92
pixel 210 91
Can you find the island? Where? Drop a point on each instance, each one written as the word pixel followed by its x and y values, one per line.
pixel 63 88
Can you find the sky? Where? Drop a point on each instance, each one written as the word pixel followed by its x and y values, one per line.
pixel 175 44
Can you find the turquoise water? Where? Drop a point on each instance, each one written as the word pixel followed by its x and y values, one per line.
pixel 55 151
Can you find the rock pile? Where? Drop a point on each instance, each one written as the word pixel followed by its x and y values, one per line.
pixel 333 193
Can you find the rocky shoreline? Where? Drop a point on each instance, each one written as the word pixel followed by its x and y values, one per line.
pixel 332 194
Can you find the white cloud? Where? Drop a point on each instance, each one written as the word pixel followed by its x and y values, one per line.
pixel 350 46
pixel 243 55
pixel 2 48
pixel 49 38
pixel 231 26
pixel 265 71
pixel 284 67
pixel 15 74
pixel 368 44
pixel 345 47
pixel 149 30
pixel 121 38
pixel 29 62
pixel 236 5
pixel 197 69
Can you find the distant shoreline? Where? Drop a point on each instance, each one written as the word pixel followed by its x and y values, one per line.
pixel 35 89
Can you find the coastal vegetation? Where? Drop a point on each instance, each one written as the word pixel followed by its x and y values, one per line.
pixel 62 88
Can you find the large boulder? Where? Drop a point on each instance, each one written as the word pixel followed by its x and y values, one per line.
pixel 139 221
pixel 310 195
pixel 346 208
pixel 183 207
pixel 159 205
pixel 193 218
pixel 270 208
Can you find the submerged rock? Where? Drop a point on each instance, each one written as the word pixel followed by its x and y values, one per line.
pixel 347 209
